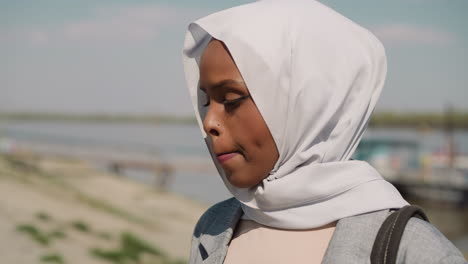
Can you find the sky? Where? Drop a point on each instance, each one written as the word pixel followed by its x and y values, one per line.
pixel 122 56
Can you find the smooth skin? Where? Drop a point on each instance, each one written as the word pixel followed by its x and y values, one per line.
pixel 240 138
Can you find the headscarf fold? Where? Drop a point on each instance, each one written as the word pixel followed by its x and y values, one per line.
pixel 315 77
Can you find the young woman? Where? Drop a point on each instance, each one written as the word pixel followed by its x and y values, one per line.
pixel 283 91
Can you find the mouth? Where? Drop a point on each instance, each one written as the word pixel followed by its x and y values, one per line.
pixel 223 157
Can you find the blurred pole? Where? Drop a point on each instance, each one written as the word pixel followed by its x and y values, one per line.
pixel 449 129
pixel 164 177
pixel 115 168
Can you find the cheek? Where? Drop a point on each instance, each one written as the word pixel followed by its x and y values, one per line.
pixel 254 137
pixel 259 135
pixel 249 132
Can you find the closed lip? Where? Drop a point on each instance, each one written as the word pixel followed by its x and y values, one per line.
pixel 223 157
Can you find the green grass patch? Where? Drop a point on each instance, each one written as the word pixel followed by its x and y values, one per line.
pixel 81 226
pixel 133 249
pixel 57 234
pixel 34 232
pixel 134 246
pixel 41 237
pixel 43 216
pixel 114 256
pixel 104 235
pixel 52 258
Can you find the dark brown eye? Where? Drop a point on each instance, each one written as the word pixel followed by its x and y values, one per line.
pixel 234 102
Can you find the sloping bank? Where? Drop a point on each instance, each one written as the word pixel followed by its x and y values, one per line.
pixel 55 210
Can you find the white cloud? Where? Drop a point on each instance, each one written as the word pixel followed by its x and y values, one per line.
pixel 122 24
pixel 402 34
pixel 125 25
pixel 106 25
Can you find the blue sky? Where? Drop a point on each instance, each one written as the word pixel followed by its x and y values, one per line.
pixel 121 56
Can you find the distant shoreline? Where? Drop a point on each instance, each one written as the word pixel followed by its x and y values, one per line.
pixel 118 118
pixel 454 120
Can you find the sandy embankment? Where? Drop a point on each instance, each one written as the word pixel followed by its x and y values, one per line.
pixel 68 191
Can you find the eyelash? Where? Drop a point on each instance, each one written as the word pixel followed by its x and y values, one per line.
pixel 229 103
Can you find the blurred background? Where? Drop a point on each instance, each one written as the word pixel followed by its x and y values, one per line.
pixel 101 160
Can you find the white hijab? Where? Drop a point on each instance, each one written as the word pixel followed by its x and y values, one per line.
pixel 315 77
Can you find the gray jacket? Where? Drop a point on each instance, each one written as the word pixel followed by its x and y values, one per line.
pixel 351 242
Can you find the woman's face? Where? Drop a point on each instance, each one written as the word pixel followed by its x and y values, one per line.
pixel 240 138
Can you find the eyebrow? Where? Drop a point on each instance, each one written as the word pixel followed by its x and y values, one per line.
pixel 223 83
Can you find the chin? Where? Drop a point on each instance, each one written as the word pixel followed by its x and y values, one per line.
pixel 241 181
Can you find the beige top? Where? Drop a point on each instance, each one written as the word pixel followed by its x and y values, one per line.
pixel 256 243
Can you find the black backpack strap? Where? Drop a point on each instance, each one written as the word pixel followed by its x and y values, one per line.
pixel 387 241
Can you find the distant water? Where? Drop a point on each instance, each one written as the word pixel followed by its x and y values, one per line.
pixel 162 140
pixel 171 141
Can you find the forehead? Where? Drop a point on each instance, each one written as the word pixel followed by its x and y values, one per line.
pixel 216 64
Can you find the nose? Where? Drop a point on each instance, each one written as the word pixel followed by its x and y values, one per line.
pixel 212 123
